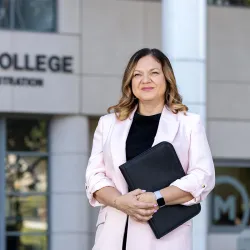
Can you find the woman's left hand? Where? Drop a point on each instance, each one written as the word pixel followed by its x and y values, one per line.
pixel 147 197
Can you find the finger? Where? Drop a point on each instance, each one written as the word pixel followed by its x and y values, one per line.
pixel 141 212
pixel 156 208
pixel 146 212
pixel 138 191
pixel 143 218
pixel 145 205
pixel 140 218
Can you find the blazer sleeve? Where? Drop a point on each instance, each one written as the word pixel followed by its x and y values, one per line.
pixel 96 177
pixel 200 177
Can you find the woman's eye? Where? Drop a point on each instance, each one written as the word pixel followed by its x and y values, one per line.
pixel 155 73
pixel 136 75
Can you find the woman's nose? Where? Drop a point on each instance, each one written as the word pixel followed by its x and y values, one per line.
pixel 146 78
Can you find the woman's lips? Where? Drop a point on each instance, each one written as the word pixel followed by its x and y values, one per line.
pixel 147 88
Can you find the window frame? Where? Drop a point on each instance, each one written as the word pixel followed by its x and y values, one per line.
pixel 47 194
pixel 227 163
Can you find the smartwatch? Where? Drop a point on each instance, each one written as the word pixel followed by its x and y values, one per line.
pixel 160 200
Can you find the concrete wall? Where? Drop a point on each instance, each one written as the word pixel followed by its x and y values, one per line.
pixel 228 93
pixel 111 32
pixel 229 82
pixel 100 48
pixel 60 90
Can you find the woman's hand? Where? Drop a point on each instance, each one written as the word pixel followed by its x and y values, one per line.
pixel 147 197
pixel 139 210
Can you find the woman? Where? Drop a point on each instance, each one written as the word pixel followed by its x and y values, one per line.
pixel 149 111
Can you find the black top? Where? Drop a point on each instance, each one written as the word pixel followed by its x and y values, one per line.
pixel 141 134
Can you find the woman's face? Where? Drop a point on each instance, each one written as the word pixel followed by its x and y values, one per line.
pixel 148 82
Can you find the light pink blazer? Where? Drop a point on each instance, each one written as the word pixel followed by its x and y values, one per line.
pixel 187 135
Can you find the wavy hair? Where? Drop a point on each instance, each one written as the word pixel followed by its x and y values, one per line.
pixel 128 102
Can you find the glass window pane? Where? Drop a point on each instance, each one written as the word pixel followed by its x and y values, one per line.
pixel 26 242
pixel 25 174
pixel 229 195
pixel 26 214
pixel 36 15
pixel 230 2
pixel 4 13
pixel 27 135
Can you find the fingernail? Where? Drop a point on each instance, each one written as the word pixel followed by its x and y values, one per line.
pixel 143 191
pixel 155 205
pixel 155 211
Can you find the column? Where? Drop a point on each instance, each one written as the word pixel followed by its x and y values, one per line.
pixel 69 209
pixel 184 42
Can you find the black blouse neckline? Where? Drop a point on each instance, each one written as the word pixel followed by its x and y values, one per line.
pixel 141 134
pixel 140 117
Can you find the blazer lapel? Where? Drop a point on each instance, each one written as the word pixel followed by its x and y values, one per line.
pixel 167 128
pixel 118 140
pixel 118 149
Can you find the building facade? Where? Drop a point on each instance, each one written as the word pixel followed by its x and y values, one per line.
pixel 61 64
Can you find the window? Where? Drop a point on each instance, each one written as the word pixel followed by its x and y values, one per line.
pixel 26 184
pixel 245 3
pixel 231 196
pixel 32 15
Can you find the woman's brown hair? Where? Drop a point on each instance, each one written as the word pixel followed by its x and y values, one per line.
pixel 128 101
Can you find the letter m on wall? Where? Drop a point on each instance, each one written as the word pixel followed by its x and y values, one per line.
pixel 224 206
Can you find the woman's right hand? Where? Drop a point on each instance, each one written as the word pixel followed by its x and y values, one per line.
pixel 129 204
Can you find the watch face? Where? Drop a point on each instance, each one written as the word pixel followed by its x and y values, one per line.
pixel 161 202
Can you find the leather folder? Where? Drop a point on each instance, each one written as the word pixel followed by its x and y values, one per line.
pixel 155 169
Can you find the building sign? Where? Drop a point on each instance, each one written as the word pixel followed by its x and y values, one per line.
pixel 228 206
pixel 39 63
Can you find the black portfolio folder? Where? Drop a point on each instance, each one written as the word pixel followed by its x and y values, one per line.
pixel 154 169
